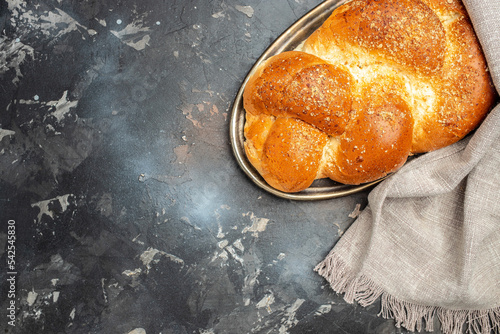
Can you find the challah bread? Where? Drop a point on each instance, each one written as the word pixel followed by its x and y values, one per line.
pixel 380 80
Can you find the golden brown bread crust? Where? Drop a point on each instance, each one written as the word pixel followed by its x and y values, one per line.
pixel 378 81
pixel 377 139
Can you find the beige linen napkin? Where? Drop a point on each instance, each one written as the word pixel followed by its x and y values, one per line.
pixel 428 243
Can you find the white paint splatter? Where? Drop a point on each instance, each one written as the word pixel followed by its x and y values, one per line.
pixel 134 35
pixel 250 280
pixel 12 56
pixel 72 314
pixel 207 331
pixel 323 309
pixel 132 273
pixel 188 221
pixel 247 10
pixel 147 257
pixel 102 22
pixel 239 245
pixel 62 106
pixel 4 133
pixel 37 314
pixel 266 302
pixel 104 293
pixel 23 101
pixel 258 224
pixel 340 230
pixel 233 253
pixel 356 211
pixel 31 297
pixel 290 319
pixel 218 15
pixel 222 244
pixel 56 21
pixel 220 235
pixel 137 331
pixel 188 109
pixel 44 206
pixel 138 241
pixel 222 255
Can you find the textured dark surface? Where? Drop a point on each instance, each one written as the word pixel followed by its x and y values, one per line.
pixel 130 212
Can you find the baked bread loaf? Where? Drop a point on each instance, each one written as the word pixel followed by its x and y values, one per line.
pixel 380 80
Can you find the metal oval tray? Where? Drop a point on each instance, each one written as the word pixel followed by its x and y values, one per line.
pixel 293 37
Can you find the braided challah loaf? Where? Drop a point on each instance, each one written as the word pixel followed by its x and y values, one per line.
pixel 380 80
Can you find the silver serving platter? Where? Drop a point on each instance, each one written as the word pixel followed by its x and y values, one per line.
pixel 289 40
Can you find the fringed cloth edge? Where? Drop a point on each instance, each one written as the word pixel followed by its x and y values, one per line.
pixel 411 316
